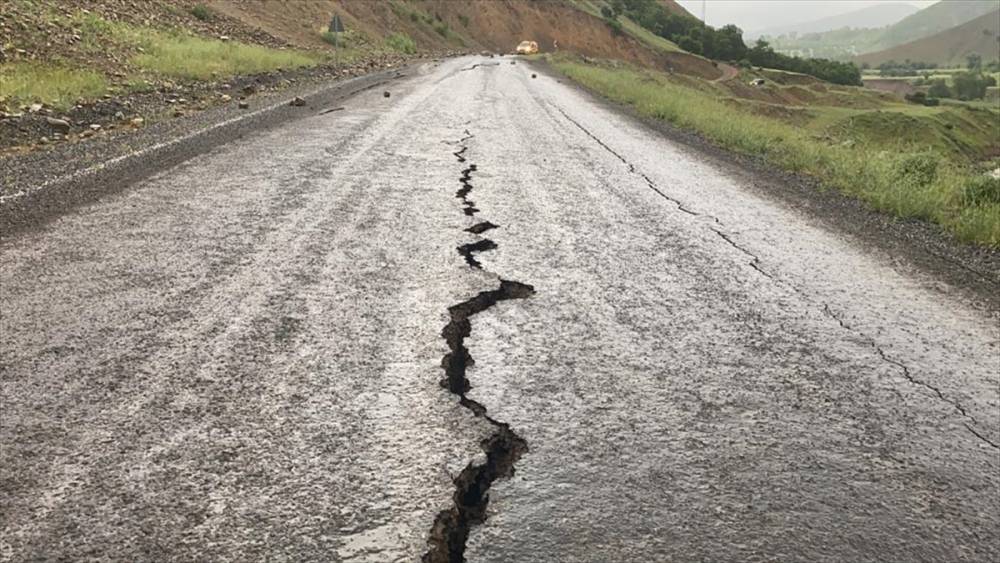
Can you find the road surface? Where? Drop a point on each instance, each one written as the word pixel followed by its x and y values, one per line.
pixel 486 317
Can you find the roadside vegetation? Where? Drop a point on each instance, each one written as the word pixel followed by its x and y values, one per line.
pixel 57 85
pixel 907 160
pixel 149 53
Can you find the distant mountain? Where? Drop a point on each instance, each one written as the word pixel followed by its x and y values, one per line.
pixel 879 15
pixel 935 18
pixel 846 44
pixel 949 47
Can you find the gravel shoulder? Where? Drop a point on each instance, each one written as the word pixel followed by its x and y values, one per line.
pixel 42 185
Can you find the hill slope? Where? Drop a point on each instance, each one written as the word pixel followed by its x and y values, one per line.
pixel 948 47
pixel 880 15
pixel 936 18
pixel 436 25
pixel 848 43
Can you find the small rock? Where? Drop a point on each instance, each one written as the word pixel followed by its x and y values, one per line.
pixel 244 104
pixel 35 108
pixel 223 38
pixel 513 62
pixel 178 113
pixel 533 75
pixel 137 121
pixel 248 90
pixel 225 97
pixel 60 125
pixel 386 94
pixel 297 102
pixel 44 140
pixel 226 86
pixel 119 115
pixel 95 127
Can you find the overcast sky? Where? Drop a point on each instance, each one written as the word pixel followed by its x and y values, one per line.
pixel 752 15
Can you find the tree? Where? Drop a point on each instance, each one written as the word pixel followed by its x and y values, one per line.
pixel 974 61
pixel 969 85
pixel 939 89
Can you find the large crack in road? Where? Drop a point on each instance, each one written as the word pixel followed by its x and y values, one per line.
pixel 232 359
pixel 450 531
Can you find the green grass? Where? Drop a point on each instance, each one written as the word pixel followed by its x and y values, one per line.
pixel 178 55
pixel 401 43
pixel 59 86
pixel 157 54
pixel 593 7
pixel 902 178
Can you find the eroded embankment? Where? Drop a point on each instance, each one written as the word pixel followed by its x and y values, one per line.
pixel 503 447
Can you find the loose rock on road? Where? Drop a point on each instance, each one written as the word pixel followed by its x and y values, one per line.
pixel 485 317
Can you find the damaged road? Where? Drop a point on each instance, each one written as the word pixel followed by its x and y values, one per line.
pixel 645 354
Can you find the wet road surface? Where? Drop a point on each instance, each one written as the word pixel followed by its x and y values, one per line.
pixel 300 345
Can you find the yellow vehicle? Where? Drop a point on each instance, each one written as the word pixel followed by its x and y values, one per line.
pixel 527 48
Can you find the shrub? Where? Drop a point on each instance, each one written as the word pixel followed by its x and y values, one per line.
pixel 401 42
pixel 414 17
pixel 201 12
pixel 442 29
pixel 919 170
pixel 331 38
pixel 980 190
pixel 464 20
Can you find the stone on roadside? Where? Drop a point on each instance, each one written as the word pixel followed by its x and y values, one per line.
pixel 244 104
pixel 386 94
pixel 35 108
pixel 137 121
pixel 297 102
pixel 225 97
pixel 60 125
pixel 95 127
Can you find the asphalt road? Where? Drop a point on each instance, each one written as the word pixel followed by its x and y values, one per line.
pixel 241 358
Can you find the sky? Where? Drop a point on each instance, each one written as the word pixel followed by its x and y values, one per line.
pixel 752 15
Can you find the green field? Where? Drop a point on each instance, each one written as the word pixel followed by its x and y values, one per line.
pixel 911 161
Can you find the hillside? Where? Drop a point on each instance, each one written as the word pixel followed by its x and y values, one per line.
pixel 936 18
pixel 877 16
pixel 446 25
pixel 949 47
pixel 847 43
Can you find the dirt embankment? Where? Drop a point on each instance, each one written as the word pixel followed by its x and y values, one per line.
pixel 442 25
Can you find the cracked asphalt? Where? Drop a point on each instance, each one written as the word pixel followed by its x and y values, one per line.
pixel 240 358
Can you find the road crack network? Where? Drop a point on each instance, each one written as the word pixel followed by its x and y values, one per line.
pixel 503 447
pixel 755 263
pixel 908 375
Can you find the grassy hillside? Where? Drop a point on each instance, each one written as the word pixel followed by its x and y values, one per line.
pixel 911 161
pixel 936 18
pixel 847 43
pixel 949 47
